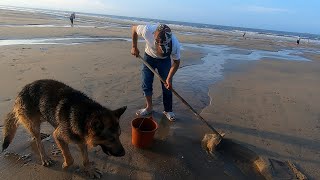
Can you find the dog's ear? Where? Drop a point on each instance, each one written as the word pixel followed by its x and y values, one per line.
pixel 120 111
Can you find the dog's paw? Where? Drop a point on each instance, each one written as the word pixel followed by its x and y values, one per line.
pixel 93 172
pixel 67 164
pixel 47 162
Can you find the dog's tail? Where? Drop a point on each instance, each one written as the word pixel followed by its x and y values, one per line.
pixel 10 127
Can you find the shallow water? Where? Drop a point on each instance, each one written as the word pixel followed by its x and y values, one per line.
pixel 60 41
pixel 106 25
pixel 42 25
pixel 195 80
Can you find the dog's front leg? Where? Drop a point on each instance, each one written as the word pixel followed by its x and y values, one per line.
pixel 63 146
pixel 89 167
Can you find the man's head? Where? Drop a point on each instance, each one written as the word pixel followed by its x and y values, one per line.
pixel 163 40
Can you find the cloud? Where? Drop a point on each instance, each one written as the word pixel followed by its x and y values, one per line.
pixel 261 9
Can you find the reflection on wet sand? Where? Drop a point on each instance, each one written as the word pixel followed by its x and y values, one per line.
pixel 164 128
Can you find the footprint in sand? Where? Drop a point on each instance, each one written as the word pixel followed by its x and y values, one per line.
pixel 25 159
pixel 25 48
pixel 44 70
pixel 24 70
pixel 6 100
pixel 56 152
pixel 75 68
pixel 83 74
pixel 44 136
pixel 265 142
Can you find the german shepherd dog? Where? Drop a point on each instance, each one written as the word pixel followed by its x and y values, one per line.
pixel 75 117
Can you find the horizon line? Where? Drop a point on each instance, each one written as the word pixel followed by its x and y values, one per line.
pixel 163 20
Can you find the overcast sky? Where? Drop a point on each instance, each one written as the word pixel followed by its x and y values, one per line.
pixel 285 15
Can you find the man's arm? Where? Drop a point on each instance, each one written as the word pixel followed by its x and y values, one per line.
pixel 173 70
pixel 134 50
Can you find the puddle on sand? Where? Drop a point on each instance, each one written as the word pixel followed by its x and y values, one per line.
pixel 108 25
pixel 59 41
pixel 196 79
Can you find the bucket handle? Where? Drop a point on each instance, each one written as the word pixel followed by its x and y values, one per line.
pixel 141 122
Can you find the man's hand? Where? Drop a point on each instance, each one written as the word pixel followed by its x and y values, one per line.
pixel 173 70
pixel 168 84
pixel 135 51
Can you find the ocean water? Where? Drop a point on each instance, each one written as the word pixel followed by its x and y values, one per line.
pixel 187 28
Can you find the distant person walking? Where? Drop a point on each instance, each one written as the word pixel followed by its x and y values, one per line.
pixel 72 17
pixel 244 34
pixel 298 41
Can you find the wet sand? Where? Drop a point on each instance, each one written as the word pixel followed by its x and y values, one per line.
pixel 108 74
pixel 273 108
pixel 106 71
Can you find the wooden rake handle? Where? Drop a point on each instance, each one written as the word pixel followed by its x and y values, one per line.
pixel 184 101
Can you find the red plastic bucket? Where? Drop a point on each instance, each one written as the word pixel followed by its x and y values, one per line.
pixel 143 130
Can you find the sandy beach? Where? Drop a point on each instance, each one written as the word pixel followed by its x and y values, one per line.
pixel 272 106
pixel 261 92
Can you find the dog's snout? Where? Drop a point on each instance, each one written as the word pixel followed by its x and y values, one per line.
pixel 120 152
pixel 123 152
